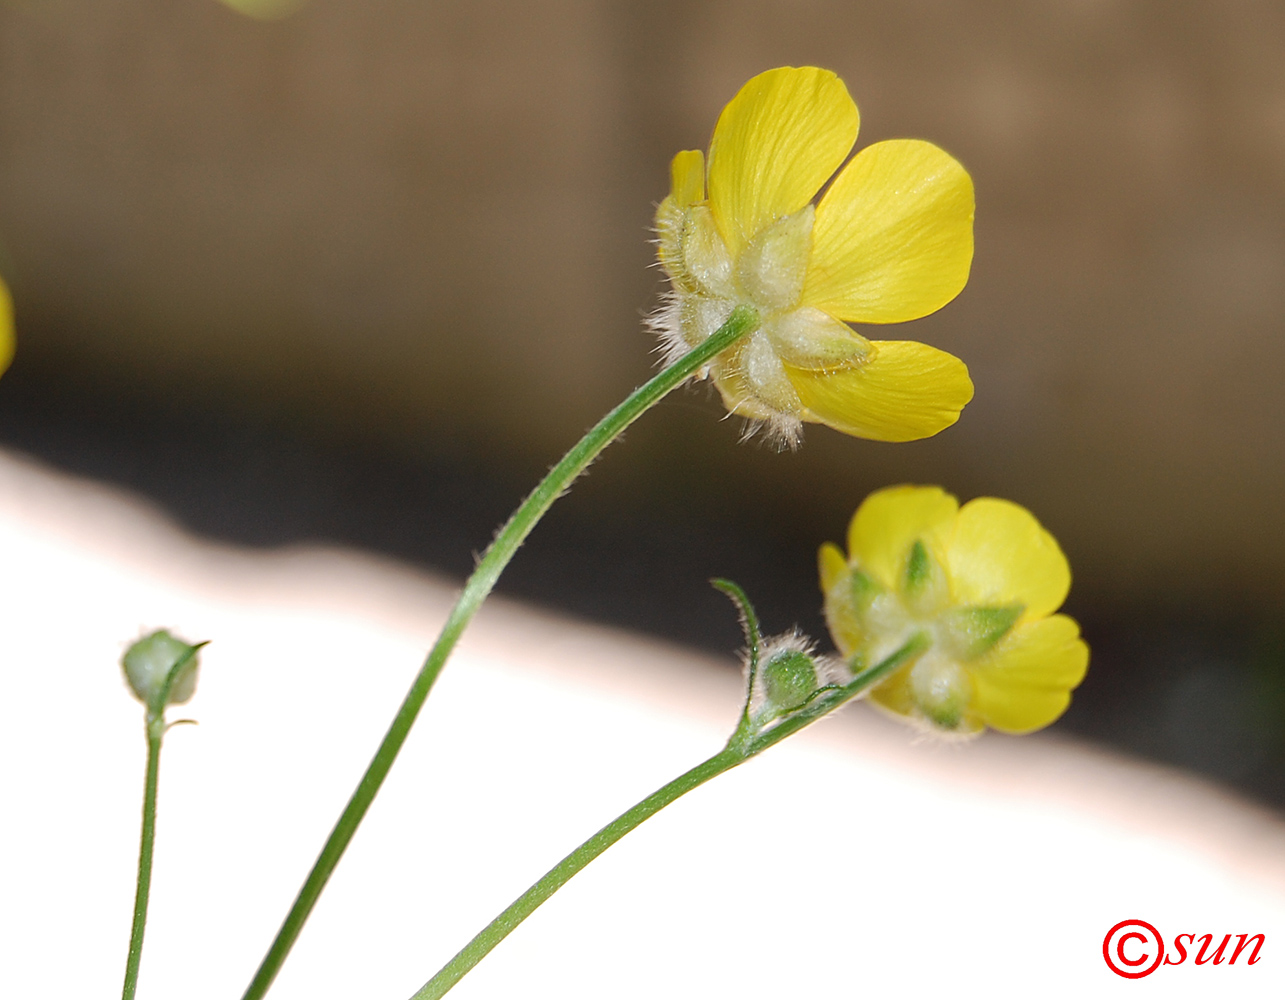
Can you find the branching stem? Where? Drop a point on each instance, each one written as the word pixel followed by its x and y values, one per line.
pixel 740 748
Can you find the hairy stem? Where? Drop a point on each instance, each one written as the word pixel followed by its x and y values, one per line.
pixel 742 321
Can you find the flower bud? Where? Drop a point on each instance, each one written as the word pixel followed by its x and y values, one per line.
pixel 149 661
pixel 790 673
pixel 788 679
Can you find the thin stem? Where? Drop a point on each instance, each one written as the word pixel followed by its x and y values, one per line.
pixel 522 907
pixel 155 733
pixel 738 750
pixel 742 321
pixel 147 839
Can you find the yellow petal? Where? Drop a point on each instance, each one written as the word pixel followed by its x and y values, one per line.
pixel 687 177
pixel 888 523
pixel 894 695
pixel 832 565
pixel 894 235
pixel 844 620
pixel 1000 555
pixel 775 144
pixel 906 391
pixel 1026 681
pixel 6 326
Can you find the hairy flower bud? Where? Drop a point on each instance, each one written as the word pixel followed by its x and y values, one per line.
pixel 789 674
pixel 788 679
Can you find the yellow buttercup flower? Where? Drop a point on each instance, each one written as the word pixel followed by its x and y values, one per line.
pixel 891 240
pixel 6 326
pixel 981 584
pixel 266 10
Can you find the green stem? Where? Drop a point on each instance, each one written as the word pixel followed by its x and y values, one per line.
pixel 147 839
pixel 155 732
pixel 738 750
pixel 742 321
pixel 522 907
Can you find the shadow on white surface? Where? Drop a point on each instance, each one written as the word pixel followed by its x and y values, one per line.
pixel 852 861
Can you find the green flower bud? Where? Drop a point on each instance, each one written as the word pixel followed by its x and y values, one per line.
pixel 789 679
pixel 148 662
pixel 789 674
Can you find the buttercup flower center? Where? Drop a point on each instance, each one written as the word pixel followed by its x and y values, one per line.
pixel 922 605
pixel 769 274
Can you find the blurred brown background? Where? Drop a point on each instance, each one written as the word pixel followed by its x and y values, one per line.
pixel 364 272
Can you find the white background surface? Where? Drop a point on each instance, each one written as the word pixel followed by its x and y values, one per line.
pixel 852 861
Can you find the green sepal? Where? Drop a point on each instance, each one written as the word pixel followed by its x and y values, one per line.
pixel 972 631
pixel 863 589
pixel 923 583
pixel 919 568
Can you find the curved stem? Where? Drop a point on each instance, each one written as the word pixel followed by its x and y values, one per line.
pixel 522 907
pixel 742 321
pixel 739 749
pixel 753 639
